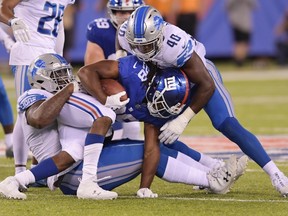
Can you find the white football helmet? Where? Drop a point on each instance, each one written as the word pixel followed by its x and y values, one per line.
pixel 124 6
pixel 144 32
pixel 50 72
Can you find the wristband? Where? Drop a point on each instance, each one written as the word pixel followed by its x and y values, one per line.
pixel 188 114
pixel 10 21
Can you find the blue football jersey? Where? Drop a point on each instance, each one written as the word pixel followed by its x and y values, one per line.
pixel 133 76
pixel 102 32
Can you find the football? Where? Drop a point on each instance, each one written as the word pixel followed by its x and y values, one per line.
pixel 111 87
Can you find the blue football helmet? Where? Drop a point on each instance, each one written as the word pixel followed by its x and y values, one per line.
pixel 168 93
pixel 144 32
pixel 124 6
pixel 50 72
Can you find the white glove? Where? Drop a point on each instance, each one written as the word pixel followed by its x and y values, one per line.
pixel 173 129
pixel 8 43
pixel 146 193
pixel 20 30
pixel 114 101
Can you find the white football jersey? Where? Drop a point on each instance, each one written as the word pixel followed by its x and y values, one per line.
pixel 177 47
pixel 43 18
pixel 74 121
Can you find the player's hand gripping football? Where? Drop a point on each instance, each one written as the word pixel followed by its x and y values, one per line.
pixel 20 30
pixel 173 129
pixel 146 193
pixel 114 101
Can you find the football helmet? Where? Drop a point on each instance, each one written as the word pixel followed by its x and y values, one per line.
pixel 168 93
pixel 144 32
pixel 121 5
pixel 50 72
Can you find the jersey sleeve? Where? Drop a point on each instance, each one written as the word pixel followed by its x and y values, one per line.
pixel 179 43
pixel 121 38
pixel 30 97
pixel 97 31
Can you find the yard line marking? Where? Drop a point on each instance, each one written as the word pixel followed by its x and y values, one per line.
pixel 181 198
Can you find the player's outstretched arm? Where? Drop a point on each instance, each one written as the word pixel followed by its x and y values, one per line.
pixel 151 157
pixel 43 113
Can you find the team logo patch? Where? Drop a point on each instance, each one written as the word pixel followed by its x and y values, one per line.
pixel 158 21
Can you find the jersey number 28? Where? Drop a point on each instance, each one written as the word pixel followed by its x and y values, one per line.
pixel 56 15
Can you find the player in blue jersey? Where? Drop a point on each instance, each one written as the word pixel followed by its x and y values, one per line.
pixel 168 46
pixel 132 74
pixel 6 113
pixel 38 109
pixel 101 37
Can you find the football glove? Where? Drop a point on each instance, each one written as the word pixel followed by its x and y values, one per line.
pixel 171 130
pixel 114 101
pixel 146 193
pixel 20 30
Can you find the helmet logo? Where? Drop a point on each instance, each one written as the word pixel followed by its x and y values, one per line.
pixel 170 83
pixel 158 22
pixel 38 64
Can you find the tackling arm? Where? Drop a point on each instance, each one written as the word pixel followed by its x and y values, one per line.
pixel 43 113
pixel 198 74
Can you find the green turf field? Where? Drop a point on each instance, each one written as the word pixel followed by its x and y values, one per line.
pixel 261 104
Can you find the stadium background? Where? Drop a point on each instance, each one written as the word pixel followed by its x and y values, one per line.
pixel 214 30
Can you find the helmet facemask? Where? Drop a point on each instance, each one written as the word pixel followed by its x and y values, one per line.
pixel 50 72
pixel 144 32
pixel 168 92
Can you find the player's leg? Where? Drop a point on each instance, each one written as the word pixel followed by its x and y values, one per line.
pixel 221 112
pixel 92 150
pixel 6 119
pixel 20 78
pixel 120 162
pixel 188 156
pixel 173 170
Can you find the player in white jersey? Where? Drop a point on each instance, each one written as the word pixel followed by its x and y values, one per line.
pixel 51 72
pixel 38 29
pixel 37 25
pixel 151 39
pixel 101 35
pixel 38 110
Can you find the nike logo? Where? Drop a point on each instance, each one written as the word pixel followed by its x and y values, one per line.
pixel 135 65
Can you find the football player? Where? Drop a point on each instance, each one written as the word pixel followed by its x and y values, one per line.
pixel 133 75
pixel 6 112
pixel 48 74
pixel 38 28
pixel 101 37
pixel 146 35
pixel 38 109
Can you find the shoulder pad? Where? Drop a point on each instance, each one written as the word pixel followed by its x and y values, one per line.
pixel 29 100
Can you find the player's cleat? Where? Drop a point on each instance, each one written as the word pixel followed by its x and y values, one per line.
pixel 221 179
pixel 280 182
pixel 242 163
pixel 9 189
pixel 9 153
pixel 89 189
